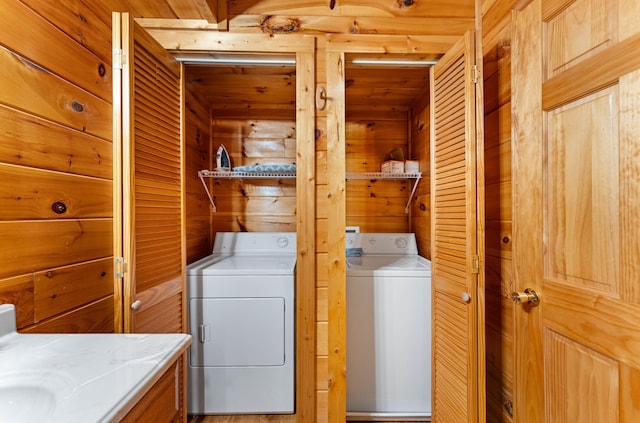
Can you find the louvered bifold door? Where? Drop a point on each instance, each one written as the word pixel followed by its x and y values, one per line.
pixel 454 238
pixel 152 180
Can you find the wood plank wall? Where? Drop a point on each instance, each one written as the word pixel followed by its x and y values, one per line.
pixel 255 205
pixel 197 147
pixel 56 213
pixel 496 31
pixel 420 212
pixel 376 205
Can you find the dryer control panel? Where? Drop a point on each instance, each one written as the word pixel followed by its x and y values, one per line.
pixel 270 243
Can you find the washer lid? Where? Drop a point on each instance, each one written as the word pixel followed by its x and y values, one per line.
pixel 388 265
pixel 244 264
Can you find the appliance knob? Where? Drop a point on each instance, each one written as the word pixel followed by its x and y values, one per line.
pixel 282 242
pixel 401 242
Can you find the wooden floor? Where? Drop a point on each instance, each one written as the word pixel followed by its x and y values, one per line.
pixel 250 419
pixel 243 419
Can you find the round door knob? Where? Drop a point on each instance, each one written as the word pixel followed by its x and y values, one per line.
pixel 529 296
pixel 466 297
pixel 136 305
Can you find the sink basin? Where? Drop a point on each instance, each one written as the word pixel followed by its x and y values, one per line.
pixel 26 403
pixel 30 396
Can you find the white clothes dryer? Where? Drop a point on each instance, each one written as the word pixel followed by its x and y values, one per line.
pixel 388 328
pixel 241 317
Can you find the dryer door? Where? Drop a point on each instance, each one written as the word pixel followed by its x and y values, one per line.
pixel 237 332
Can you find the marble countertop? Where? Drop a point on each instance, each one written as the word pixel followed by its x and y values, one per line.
pixel 79 377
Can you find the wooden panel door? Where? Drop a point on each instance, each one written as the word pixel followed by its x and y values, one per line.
pixel 152 181
pixel 576 109
pixel 457 210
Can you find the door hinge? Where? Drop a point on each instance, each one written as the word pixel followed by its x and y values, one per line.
pixel 475 74
pixel 118 58
pixel 475 264
pixel 119 267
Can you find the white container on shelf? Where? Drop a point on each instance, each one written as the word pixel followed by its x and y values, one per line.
pixel 393 166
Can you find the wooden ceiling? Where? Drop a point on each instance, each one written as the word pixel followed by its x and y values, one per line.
pixel 243 86
pixel 260 87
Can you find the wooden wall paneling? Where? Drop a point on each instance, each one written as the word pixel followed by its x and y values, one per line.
pixel 496 45
pixel 322 256
pixel 419 148
pixel 31 245
pixel 369 141
pixel 336 145
pixel 40 194
pixel 251 201
pixel 66 288
pixel 56 50
pixel 88 23
pixel 51 97
pixel 374 207
pixel 197 156
pixel 333 24
pixel 377 130
pixel 305 232
pixel 379 224
pixel 96 317
pixel 379 188
pixel 33 142
pixel 374 8
pixel 19 292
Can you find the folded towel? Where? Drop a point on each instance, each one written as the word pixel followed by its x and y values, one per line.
pixel 266 168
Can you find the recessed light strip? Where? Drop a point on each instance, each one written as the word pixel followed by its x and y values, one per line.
pixel 375 62
pixel 234 61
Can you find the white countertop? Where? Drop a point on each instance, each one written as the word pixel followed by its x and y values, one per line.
pixel 79 377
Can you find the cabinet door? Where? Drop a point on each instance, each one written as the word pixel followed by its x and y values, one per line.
pixel 150 200
pixel 456 239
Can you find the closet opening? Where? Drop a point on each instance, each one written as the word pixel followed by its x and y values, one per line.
pixel 387 116
pixel 251 100
pixel 388 274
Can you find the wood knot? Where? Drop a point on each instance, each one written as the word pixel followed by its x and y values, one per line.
pixel 405 3
pixel 279 24
pixel 76 106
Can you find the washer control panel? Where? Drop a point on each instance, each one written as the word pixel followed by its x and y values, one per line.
pixel 383 243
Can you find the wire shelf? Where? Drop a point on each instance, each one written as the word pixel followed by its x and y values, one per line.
pixel 244 175
pixel 349 175
pixel 382 175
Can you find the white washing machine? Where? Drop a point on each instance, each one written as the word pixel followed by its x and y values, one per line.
pixel 241 316
pixel 388 328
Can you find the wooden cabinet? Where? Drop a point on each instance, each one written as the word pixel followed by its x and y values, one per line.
pixel 163 402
